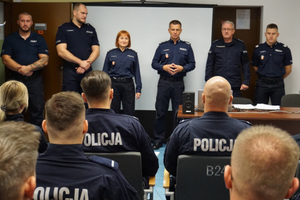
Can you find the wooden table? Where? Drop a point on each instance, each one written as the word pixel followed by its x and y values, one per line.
pixel 287 118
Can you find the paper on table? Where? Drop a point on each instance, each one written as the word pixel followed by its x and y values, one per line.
pixel 259 106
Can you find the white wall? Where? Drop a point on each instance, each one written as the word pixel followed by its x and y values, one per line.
pixel 285 14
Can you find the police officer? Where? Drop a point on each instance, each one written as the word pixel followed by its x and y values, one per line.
pixel 111 132
pixel 25 54
pixel 228 57
pixel 272 62
pixel 122 65
pixel 172 60
pixel 213 133
pixel 63 171
pixel 77 44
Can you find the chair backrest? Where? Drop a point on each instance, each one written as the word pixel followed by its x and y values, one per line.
pixel 290 100
pixel 241 100
pixel 201 177
pixel 130 165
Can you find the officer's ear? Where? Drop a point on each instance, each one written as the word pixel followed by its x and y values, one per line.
pixel 44 127
pixel 111 93
pixel 84 97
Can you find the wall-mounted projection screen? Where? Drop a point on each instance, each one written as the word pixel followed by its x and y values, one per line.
pixel 148 26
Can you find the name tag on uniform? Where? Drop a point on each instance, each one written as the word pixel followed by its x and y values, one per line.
pixel 220 46
pixel 183 49
pixel 33 41
pixel 278 50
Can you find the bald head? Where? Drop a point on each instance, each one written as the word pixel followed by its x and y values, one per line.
pixel 217 94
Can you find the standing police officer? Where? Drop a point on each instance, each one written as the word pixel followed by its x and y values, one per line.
pixel 77 44
pixel 25 54
pixel 172 60
pixel 272 62
pixel 228 57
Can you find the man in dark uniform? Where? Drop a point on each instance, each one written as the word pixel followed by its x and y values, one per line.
pixel 212 134
pixel 172 60
pixel 118 132
pixel 228 57
pixel 63 170
pixel 272 62
pixel 25 54
pixel 77 44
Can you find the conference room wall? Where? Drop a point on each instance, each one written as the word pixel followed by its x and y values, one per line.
pixel 285 14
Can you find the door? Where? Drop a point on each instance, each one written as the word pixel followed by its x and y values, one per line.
pixel 53 14
pixel 249 36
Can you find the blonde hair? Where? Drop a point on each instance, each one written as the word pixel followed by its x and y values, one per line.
pixel 19 142
pixel 13 95
pixel 264 161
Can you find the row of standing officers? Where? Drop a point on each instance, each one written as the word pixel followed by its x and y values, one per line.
pixel 25 54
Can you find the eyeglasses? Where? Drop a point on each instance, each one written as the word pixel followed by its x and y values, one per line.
pixel 227 29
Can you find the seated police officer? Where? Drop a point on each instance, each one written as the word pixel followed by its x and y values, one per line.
pixel 63 170
pixel 263 164
pixel 111 132
pixel 213 133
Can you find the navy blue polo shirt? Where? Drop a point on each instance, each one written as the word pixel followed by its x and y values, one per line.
pixel 123 64
pixel 79 40
pixel 180 53
pixel 271 61
pixel 24 52
pixel 227 60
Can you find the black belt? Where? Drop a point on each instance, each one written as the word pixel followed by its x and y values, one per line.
pixel 270 79
pixel 121 80
pixel 171 79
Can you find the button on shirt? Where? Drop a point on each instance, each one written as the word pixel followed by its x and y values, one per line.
pixel 79 40
pixel 24 52
pixel 271 61
pixel 228 60
pixel 123 64
pixel 180 53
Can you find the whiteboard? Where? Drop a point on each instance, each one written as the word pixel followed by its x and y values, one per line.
pixel 148 26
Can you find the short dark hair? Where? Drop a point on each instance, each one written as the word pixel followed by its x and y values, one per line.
pixel 64 109
pixel 96 84
pixel 76 5
pixel 272 26
pixel 175 22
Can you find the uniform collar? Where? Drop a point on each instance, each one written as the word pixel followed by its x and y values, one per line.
pixel 275 44
pixel 228 44
pixel 178 41
pixel 64 150
pixel 16 117
pixel 77 26
pixel 215 114
pixel 97 110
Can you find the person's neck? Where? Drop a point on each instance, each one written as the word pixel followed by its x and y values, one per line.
pixel 271 44
pixel 215 109
pixel 77 23
pixel 228 40
pixel 175 41
pixel 24 35
pixel 122 48
pixel 102 105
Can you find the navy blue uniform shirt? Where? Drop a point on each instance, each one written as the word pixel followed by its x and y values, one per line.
pixel 213 134
pixel 24 52
pixel 228 60
pixel 79 40
pixel 64 172
pixel 271 61
pixel 180 53
pixel 123 64
pixel 111 132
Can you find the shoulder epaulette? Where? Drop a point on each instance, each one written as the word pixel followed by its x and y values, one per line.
pixel 104 161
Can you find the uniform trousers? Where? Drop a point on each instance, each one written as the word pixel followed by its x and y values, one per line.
pixel 123 92
pixel 167 89
pixel 269 88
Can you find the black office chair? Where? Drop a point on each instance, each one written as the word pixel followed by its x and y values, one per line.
pixel 199 177
pixel 130 164
pixel 241 100
pixel 290 100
